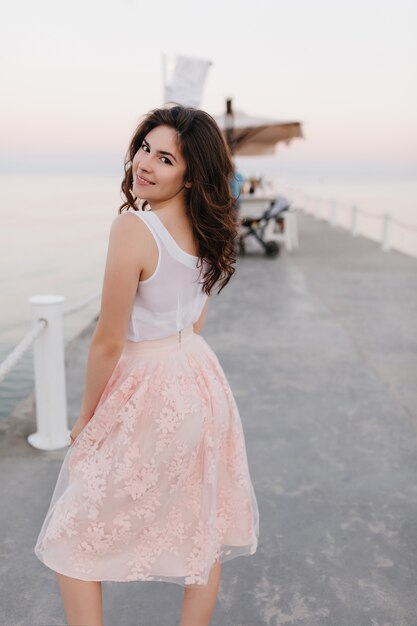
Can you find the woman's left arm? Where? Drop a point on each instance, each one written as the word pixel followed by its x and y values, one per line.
pixel 123 267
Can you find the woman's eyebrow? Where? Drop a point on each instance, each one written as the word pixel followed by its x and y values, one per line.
pixel 161 151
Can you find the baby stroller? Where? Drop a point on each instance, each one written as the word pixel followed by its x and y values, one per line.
pixel 263 227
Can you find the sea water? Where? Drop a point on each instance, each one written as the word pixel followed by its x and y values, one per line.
pixel 53 240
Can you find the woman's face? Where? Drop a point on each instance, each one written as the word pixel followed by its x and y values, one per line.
pixel 158 167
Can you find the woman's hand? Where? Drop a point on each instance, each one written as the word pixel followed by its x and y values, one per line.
pixel 78 427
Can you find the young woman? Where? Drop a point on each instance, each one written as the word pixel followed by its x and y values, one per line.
pixel 155 485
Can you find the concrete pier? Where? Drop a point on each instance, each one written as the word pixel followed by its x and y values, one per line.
pixel 320 349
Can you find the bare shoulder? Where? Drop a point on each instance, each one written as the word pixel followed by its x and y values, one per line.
pixel 131 236
pixel 126 219
pixel 128 224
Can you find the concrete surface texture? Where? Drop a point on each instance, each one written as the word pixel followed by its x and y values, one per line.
pixel 320 349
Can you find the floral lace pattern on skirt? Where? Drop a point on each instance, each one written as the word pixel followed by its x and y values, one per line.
pixel 156 486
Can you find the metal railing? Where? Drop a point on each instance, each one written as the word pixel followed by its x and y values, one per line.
pixel 314 205
pixel 47 338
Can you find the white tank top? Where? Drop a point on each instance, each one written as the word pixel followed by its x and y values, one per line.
pixel 172 298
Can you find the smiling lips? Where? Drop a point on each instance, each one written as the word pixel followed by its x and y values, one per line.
pixel 143 181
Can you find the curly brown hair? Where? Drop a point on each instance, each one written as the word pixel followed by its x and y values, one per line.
pixel 209 202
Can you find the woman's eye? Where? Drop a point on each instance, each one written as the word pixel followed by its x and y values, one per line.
pixel 144 146
pixel 166 160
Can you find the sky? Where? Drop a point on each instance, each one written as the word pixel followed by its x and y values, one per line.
pixel 77 76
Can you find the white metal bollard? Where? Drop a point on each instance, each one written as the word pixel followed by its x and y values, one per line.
pixel 354 221
pixel 386 232
pixel 333 213
pixel 290 230
pixel 318 208
pixel 309 205
pixel 295 229
pixel 49 365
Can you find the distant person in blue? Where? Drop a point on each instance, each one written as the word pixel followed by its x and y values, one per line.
pixel 236 186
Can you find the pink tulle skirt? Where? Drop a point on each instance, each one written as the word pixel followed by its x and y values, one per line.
pixel 156 486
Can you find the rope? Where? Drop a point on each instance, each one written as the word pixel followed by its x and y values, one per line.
pixel 403 225
pixel 369 214
pixel 341 205
pixel 77 307
pixel 16 354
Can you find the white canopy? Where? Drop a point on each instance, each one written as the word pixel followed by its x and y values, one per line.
pixel 257 135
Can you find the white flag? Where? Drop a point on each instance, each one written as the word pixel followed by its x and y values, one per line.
pixel 186 83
